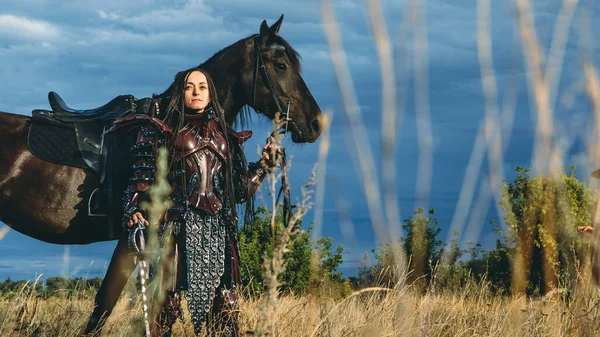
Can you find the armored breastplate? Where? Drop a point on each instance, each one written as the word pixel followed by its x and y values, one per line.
pixel 203 148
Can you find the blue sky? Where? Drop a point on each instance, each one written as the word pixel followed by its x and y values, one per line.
pixel 91 51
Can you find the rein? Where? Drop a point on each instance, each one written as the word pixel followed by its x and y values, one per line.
pixel 285 189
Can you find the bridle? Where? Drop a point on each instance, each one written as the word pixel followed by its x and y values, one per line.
pixel 259 64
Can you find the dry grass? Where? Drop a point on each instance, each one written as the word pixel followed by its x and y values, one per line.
pixel 371 312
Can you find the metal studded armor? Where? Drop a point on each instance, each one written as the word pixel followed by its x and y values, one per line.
pixel 205 220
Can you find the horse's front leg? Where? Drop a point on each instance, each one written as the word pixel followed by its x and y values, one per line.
pixel 120 269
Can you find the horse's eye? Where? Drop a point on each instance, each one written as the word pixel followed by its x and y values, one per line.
pixel 281 67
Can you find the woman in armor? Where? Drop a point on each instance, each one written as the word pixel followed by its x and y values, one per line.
pixel 209 176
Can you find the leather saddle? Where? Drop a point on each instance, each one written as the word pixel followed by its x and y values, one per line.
pixel 87 126
pixel 114 109
pixel 75 137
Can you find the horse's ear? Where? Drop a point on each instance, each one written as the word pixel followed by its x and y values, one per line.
pixel 275 27
pixel 264 29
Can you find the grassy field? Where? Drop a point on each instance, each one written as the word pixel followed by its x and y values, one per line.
pixel 369 312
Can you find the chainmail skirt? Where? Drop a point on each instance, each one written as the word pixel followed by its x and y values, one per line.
pixel 205 258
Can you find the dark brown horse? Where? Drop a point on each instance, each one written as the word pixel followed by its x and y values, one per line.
pixel 48 201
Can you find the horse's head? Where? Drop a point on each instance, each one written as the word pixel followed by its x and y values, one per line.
pixel 276 84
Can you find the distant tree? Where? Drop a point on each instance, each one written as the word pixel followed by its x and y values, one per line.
pixel 58 286
pixel 450 272
pixel 421 248
pixel 297 274
pixel 306 265
pixel 453 253
pixel 256 243
pixel 329 261
pixel 421 245
pixel 542 214
pixel 386 271
pixel 84 287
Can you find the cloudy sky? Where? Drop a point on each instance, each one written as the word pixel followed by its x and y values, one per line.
pixel 91 51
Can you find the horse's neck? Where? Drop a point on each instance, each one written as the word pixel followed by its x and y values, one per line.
pixel 227 72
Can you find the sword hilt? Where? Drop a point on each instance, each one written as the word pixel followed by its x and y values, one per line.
pixel 137 238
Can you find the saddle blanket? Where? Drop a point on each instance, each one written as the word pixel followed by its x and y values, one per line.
pixel 55 143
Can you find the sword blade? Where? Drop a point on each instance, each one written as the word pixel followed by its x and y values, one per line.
pixel 143 281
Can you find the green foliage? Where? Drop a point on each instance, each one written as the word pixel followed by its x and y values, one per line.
pixel 256 243
pixel 305 267
pixel 542 214
pixel 58 286
pixel 451 273
pixel 421 245
pixel 329 261
pixel 453 253
pixel 444 266
pixel 384 272
pixel 541 250
pixel 498 266
pixel 55 286
pixel 490 267
pixel 297 274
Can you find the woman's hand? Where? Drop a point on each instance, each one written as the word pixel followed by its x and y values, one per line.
pixel 270 148
pixel 135 218
pixel 585 229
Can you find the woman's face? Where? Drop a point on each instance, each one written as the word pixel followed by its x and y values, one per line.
pixel 196 92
